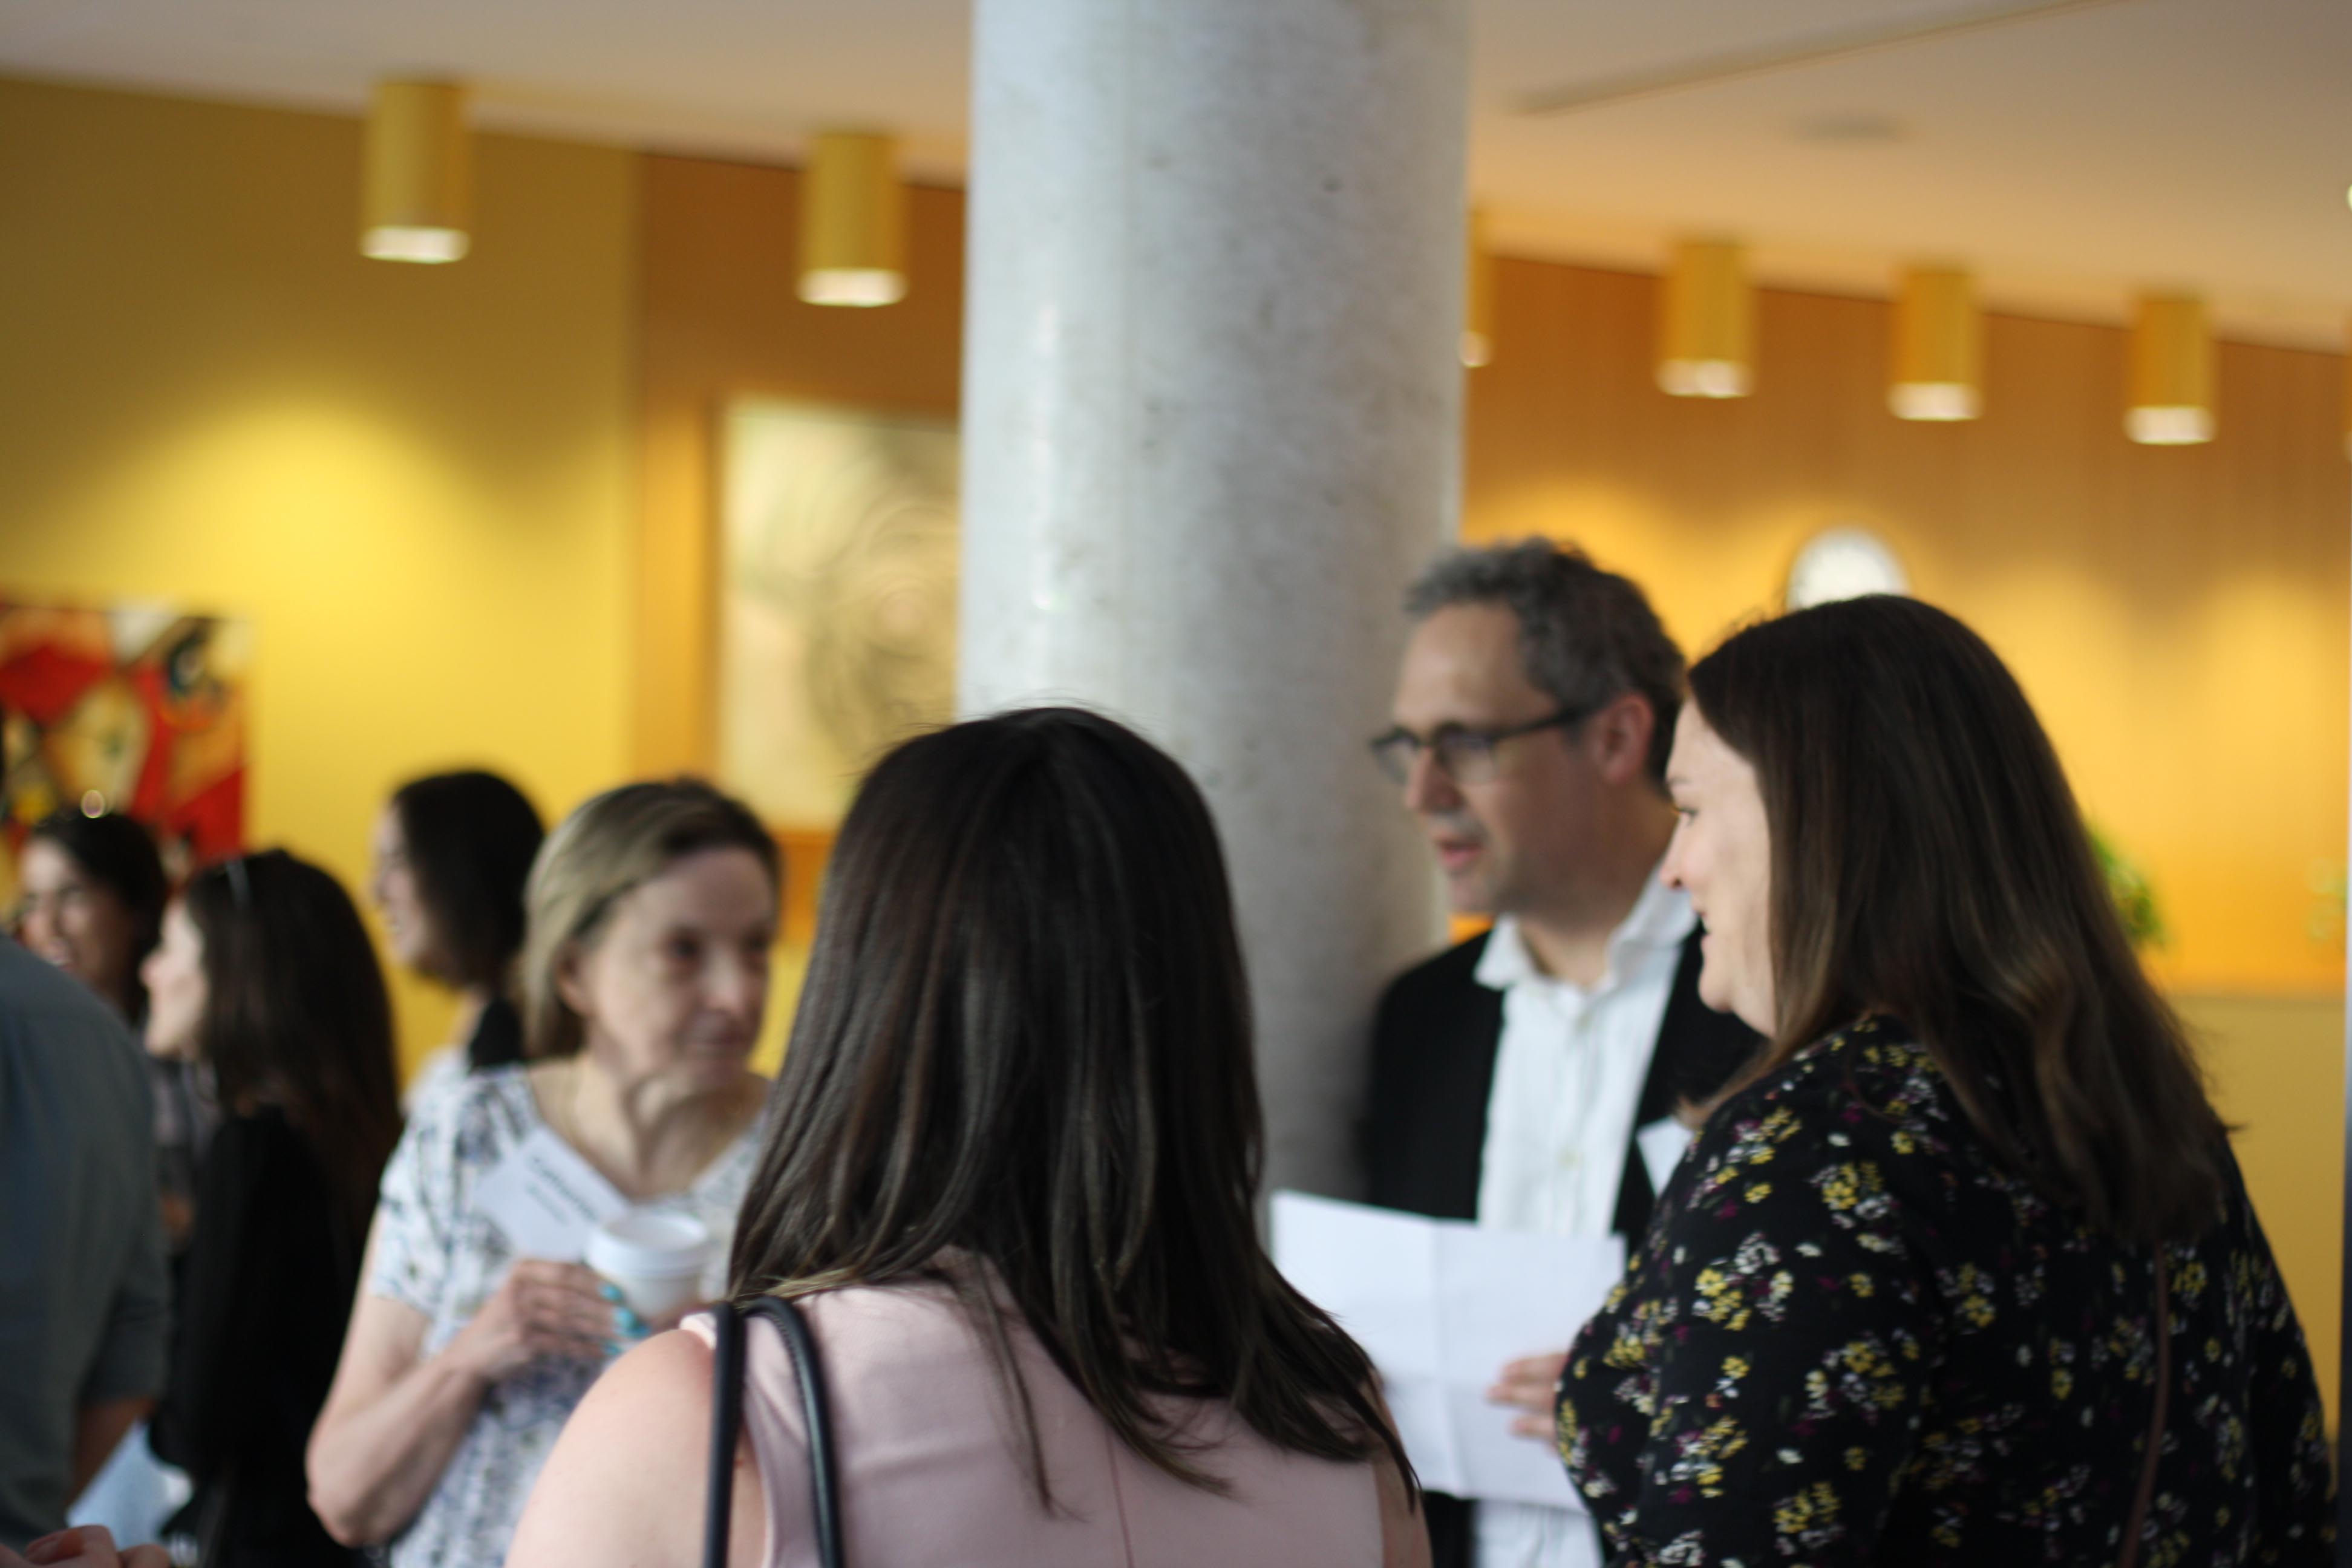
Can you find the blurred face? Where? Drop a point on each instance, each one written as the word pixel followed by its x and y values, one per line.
pixel 1506 845
pixel 677 983
pixel 76 923
pixel 174 973
pixel 392 889
pixel 1722 855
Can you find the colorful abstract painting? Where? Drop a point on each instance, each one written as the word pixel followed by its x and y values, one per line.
pixel 136 710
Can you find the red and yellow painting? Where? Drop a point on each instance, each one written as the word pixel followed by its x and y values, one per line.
pixel 130 709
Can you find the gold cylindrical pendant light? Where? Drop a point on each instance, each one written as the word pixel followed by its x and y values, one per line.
pixel 2171 373
pixel 853 221
pixel 1938 347
pixel 417 196
pixel 1706 328
pixel 1479 295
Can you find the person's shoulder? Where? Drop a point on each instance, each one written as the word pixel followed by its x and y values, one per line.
pixel 34 994
pixel 55 1028
pixel 1450 973
pixel 1869 1094
pixel 474 1117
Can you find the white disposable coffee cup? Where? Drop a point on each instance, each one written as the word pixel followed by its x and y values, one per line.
pixel 655 1260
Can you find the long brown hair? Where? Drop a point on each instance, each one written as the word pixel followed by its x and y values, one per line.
pixel 1026 1037
pixel 1929 864
pixel 296 1014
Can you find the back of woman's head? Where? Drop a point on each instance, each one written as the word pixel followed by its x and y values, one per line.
pixel 1025 1037
pixel 295 1012
pixel 470 838
pixel 118 854
pixel 611 844
pixel 1930 863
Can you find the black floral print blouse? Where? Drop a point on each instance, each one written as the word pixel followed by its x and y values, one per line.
pixel 1851 1338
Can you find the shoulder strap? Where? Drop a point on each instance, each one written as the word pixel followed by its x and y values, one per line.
pixel 726 1416
pixel 726 1419
pixel 2145 1496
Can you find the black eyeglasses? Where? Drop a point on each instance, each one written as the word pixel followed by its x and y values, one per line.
pixel 1466 756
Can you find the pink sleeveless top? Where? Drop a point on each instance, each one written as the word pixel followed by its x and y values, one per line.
pixel 931 1469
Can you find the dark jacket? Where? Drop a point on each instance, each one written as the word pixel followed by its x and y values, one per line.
pixel 1424 1134
pixel 271 1274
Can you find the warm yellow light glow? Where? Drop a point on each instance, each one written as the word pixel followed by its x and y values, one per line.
pixel 1479 295
pixel 1934 400
pixel 853 222
pixel 1706 324
pixel 2171 373
pixel 416 190
pixel 394 242
pixel 1938 347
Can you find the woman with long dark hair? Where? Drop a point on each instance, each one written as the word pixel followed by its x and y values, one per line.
pixel 266 975
pixel 1963 1270
pixel 453 855
pixel 1010 1183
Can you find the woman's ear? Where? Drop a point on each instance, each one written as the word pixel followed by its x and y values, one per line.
pixel 571 977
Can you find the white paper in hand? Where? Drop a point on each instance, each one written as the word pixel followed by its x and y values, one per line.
pixel 1440 1305
pixel 546 1198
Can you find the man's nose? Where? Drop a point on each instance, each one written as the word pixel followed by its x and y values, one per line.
pixel 1427 786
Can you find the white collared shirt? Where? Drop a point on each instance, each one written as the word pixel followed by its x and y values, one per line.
pixel 1568 1072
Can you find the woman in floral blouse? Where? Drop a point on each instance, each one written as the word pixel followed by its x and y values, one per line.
pixel 1969 1233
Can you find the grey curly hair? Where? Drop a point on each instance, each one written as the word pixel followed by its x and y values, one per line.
pixel 1589 636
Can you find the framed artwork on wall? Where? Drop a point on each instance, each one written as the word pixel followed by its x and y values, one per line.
pixel 837 600
pixel 135 709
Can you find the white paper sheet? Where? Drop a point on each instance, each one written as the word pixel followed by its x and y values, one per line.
pixel 547 1198
pixel 1440 1305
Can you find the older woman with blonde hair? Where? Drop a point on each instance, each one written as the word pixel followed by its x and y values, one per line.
pixel 652 911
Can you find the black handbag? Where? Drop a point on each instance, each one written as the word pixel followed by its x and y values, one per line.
pixel 727 1417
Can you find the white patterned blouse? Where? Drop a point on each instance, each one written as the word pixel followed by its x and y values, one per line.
pixel 437 1252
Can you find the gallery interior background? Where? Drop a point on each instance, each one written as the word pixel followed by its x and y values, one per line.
pixel 468 511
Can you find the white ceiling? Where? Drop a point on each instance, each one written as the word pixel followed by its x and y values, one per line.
pixel 2072 156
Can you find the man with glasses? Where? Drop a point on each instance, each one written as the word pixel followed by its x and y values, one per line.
pixel 1529 1079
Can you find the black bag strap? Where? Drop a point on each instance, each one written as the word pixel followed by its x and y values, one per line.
pixel 727 1419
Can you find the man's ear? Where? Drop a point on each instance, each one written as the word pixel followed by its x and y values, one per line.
pixel 1620 735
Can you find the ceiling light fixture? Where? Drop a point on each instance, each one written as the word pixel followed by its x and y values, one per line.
pixel 1938 347
pixel 2171 373
pixel 1706 323
pixel 1478 294
pixel 853 221
pixel 416 189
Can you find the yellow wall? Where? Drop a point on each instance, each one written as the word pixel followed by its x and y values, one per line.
pixel 415 480
pixel 2275 1063
pixel 719 321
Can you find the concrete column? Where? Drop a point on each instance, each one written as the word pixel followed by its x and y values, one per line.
pixel 1211 427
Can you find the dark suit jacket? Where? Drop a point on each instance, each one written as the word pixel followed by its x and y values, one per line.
pixel 1434 1046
